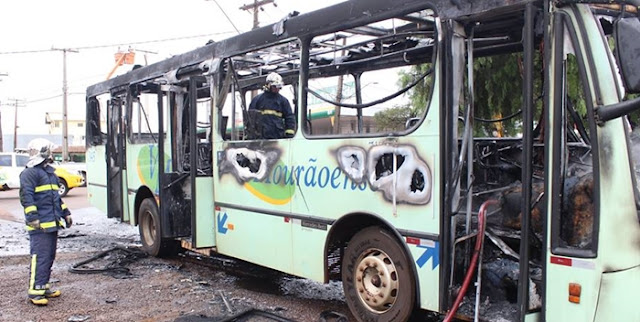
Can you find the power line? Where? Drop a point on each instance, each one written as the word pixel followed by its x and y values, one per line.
pixel 43 99
pixel 116 45
pixel 225 14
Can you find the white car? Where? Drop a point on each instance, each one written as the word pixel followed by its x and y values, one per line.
pixel 11 164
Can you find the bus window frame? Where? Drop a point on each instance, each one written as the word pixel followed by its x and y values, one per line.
pixel 238 87
pixel 135 134
pixel 93 131
pixel 304 83
pixel 562 24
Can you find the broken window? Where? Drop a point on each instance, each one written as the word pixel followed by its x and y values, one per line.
pixel 574 203
pixel 143 118
pixel 371 80
pixel 96 123
pixel 245 78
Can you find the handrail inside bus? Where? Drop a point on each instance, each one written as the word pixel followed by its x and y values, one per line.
pixel 178 179
pixel 378 101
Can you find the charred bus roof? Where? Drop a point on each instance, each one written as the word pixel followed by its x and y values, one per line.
pixel 499 26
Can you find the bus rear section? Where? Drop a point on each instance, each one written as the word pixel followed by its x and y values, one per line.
pixel 438 146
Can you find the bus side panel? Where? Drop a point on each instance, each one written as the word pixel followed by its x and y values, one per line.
pixel 564 271
pixel 308 248
pixel 205 216
pixel 325 192
pixel 254 237
pixel 140 171
pixel 251 216
pixel 612 306
pixel 327 189
pixel 127 200
pixel 97 177
pixel 427 261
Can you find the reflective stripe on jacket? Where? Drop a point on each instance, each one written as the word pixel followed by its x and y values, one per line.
pixel 40 199
pixel 277 116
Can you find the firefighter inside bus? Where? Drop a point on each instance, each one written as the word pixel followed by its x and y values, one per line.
pixel 270 113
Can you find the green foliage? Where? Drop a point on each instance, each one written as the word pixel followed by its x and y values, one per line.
pixel 393 119
pixel 574 86
pixel 498 92
pixel 420 94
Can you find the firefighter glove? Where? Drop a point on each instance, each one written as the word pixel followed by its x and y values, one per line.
pixel 35 224
pixel 68 221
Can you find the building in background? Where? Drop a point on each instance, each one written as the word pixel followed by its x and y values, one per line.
pixel 76 132
pixel 75 127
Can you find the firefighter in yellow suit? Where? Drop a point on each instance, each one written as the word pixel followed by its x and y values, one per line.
pixel 45 213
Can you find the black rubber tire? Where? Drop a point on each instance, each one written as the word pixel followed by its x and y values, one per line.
pixel 377 245
pixel 84 178
pixel 63 187
pixel 150 229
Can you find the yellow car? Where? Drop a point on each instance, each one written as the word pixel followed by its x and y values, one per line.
pixel 67 180
pixel 11 164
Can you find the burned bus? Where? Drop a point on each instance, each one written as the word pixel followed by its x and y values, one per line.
pixel 438 143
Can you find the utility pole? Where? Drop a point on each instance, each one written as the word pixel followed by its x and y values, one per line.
pixel 338 109
pixel 65 139
pixel 1 139
pixel 257 5
pixel 16 103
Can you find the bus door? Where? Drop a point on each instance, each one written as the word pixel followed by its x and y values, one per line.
pixel 198 161
pixel 573 267
pixel 174 185
pixel 115 158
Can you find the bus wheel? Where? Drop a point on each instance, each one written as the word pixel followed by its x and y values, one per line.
pixel 376 277
pixel 151 232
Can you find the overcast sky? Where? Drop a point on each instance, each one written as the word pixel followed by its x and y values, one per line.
pixel 155 29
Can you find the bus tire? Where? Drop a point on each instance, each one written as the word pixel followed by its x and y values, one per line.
pixel 150 229
pixel 376 277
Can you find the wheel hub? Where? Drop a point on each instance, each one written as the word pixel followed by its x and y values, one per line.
pixel 377 281
pixel 149 229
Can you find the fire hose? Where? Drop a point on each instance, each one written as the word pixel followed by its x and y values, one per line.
pixel 474 259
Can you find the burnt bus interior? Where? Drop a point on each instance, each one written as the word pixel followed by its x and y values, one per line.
pixel 482 161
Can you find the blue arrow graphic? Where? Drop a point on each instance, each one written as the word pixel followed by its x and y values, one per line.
pixel 221 221
pixel 429 252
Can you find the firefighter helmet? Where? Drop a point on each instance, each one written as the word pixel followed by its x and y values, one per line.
pixel 274 79
pixel 39 151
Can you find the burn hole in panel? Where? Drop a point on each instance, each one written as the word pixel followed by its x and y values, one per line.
pixel 252 165
pixel 417 181
pixel 384 166
pixel 355 163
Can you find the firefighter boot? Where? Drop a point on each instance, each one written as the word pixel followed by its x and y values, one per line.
pixel 38 300
pixel 51 293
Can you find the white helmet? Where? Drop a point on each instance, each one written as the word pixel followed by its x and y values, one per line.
pixel 39 151
pixel 273 79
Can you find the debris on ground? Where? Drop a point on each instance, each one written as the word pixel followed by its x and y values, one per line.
pixel 116 259
pixel 78 318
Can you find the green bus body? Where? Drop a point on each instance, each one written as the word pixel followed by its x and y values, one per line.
pixel 298 203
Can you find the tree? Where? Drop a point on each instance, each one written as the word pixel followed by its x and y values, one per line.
pixel 497 92
pixel 420 94
pixel 393 119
